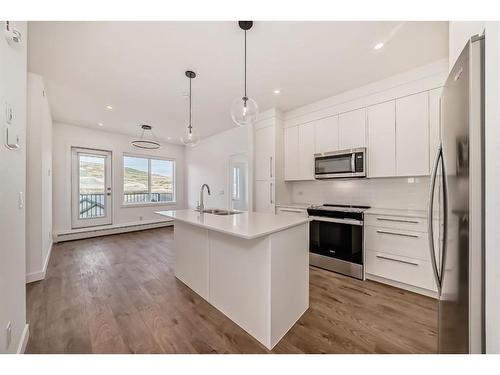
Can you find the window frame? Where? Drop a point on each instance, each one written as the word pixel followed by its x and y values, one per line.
pixel 149 158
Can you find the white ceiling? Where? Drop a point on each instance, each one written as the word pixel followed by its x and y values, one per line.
pixel 138 67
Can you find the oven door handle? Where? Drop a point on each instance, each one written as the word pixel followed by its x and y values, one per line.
pixel 353 162
pixel 334 220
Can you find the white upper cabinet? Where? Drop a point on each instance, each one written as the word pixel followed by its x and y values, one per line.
pixel 352 129
pixel 382 139
pixel 434 123
pixel 306 151
pixel 299 152
pixel 264 153
pixel 291 147
pixel 326 134
pixel 412 135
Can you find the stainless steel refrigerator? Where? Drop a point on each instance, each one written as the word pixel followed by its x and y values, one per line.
pixel 456 206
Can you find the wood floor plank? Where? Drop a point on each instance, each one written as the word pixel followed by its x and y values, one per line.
pixel 118 294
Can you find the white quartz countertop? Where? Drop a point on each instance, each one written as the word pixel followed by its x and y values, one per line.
pixel 247 225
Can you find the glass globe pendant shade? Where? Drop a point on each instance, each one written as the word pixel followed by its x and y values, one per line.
pixel 244 111
pixel 191 137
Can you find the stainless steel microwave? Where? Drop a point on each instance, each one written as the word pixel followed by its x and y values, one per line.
pixel 340 164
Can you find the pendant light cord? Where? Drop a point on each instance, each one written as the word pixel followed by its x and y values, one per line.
pixel 245 65
pixel 190 126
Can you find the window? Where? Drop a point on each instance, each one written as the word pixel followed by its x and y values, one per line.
pixel 148 180
pixel 236 183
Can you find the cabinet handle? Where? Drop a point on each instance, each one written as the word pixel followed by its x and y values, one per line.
pixel 271 193
pixel 398 220
pixel 271 167
pixel 290 210
pixel 397 234
pixel 398 260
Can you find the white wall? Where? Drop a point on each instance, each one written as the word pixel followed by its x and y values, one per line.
pixel 492 180
pixel 459 32
pixel 13 173
pixel 65 136
pixel 38 180
pixel 208 163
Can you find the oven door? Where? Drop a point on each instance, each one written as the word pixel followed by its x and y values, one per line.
pixel 337 238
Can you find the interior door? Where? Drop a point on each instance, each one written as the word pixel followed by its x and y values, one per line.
pixel 91 188
pixel 238 169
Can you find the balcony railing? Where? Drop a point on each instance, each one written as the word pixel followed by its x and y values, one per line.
pixel 92 205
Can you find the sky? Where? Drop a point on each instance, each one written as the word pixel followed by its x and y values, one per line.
pixel 161 167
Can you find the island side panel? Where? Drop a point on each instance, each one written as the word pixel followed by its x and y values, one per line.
pixel 240 282
pixel 289 279
pixel 191 257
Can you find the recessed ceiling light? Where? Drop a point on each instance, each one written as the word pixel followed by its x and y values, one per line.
pixel 100 124
pixel 169 138
pixel 378 45
pixel 277 91
pixel 109 107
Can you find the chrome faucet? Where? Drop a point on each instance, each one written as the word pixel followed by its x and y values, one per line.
pixel 201 206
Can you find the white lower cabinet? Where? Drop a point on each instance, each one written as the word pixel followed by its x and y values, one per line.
pixel 397 251
pixel 301 212
pixel 264 196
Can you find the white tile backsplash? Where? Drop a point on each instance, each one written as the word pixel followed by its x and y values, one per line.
pixel 400 193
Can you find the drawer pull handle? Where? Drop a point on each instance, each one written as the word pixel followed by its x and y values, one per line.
pixel 398 260
pixel 291 210
pixel 398 220
pixel 397 234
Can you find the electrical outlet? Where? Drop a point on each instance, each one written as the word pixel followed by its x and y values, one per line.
pixel 8 335
pixel 21 200
pixel 300 193
pixel 221 192
pixel 140 218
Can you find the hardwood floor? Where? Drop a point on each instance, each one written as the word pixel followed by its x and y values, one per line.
pixel 118 294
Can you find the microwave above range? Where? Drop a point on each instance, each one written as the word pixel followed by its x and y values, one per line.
pixel 340 164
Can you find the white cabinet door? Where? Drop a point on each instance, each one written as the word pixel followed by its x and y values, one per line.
pixel 291 147
pixel 264 196
pixel 326 136
pixel 264 153
pixel 412 135
pixel 434 123
pixel 382 139
pixel 352 129
pixel 306 151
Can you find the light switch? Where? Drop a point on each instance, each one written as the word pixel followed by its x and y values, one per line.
pixel 21 200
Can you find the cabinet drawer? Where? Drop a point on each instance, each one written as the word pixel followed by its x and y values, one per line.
pixel 399 242
pixel 398 222
pixel 401 269
pixel 291 211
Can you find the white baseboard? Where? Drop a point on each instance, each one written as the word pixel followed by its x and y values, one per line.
pixel 411 288
pixel 81 233
pixel 40 275
pixel 24 340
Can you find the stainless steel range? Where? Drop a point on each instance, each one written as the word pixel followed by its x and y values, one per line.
pixel 336 238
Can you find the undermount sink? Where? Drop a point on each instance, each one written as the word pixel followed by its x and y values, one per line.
pixel 221 212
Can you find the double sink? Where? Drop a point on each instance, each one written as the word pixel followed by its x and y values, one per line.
pixel 220 212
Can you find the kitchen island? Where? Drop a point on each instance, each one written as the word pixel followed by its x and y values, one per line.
pixel 253 267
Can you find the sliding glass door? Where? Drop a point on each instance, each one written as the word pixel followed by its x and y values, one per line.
pixel 91 188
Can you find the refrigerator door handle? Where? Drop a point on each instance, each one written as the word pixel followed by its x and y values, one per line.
pixel 445 218
pixel 430 228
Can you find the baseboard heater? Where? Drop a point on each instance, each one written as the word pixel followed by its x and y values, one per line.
pixel 104 231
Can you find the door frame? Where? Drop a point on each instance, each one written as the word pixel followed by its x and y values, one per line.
pixel 76 221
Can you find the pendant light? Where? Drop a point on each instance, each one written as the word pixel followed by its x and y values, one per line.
pixel 147 140
pixel 244 110
pixel 192 137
